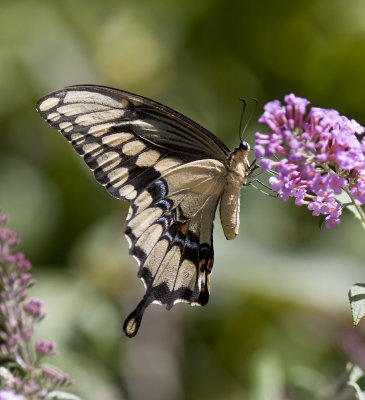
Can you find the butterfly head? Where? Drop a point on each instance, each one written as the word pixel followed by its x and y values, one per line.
pixel 244 146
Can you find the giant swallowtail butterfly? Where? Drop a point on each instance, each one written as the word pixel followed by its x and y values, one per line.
pixel 171 170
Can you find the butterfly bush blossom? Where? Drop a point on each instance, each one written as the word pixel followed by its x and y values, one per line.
pixel 22 375
pixel 315 154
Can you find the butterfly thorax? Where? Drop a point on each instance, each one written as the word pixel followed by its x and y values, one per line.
pixel 236 178
pixel 238 165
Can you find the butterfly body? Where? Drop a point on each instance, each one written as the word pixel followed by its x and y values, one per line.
pixel 238 170
pixel 171 170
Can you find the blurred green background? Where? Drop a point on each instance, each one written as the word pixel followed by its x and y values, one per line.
pixel 278 324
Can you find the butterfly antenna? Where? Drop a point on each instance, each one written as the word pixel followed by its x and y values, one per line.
pixel 242 130
pixel 241 120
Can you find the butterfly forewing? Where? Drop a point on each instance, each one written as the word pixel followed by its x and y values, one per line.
pixel 171 170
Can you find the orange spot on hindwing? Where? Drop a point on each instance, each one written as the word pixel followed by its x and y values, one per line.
pixel 184 229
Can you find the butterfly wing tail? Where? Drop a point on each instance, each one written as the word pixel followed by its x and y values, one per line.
pixel 133 321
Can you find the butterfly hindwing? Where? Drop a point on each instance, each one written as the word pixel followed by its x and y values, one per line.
pixel 169 168
pixel 172 238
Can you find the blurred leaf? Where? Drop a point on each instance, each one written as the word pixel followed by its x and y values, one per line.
pixel 267 376
pixel 357 302
pixel 58 395
pixel 356 380
pixel 31 200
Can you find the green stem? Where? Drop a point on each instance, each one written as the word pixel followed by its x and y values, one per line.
pixel 358 211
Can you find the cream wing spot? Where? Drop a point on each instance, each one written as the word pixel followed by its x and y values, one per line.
pixel 148 158
pixel 101 129
pixel 130 213
pixel 143 200
pixel 185 276
pixel 77 138
pixel 97 117
pixel 130 244
pixel 116 139
pixel 54 116
pixel 156 256
pixel 126 191
pixel 131 195
pixel 70 110
pixel 167 268
pixel 165 164
pixel 92 148
pixel 133 148
pixel 92 97
pixel 65 126
pixel 118 176
pixel 142 221
pixel 108 160
pixel 149 238
pixel 49 103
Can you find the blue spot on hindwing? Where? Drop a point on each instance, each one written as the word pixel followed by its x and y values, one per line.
pixel 158 189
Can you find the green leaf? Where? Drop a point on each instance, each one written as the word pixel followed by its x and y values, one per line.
pixel 59 395
pixel 356 380
pixel 344 199
pixel 357 302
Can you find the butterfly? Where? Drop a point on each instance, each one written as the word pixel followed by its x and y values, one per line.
pixel 171 170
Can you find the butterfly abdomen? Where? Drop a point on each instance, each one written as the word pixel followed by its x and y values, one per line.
pixel 230 211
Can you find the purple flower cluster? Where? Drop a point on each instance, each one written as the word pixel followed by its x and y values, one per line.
pixel 315 156
pixel 18 315
pixel 7 395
